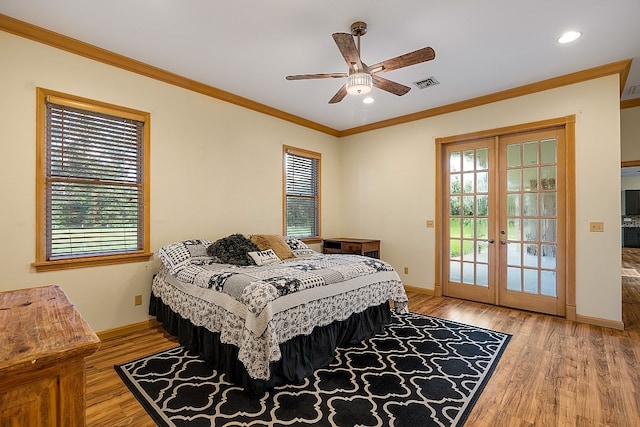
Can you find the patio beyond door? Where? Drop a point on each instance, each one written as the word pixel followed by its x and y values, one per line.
pixel 503 212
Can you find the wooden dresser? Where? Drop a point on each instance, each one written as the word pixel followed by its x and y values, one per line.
pixel 347 245
pixel 43 343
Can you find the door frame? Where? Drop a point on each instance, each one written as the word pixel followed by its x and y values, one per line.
pixel 568 122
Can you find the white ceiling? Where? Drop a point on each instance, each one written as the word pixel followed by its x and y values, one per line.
pixel 247 47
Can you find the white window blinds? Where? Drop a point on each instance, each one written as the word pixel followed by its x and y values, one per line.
pixel 302 193
pixel 94 183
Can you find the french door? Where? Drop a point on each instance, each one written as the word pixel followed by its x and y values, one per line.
pixel 503 219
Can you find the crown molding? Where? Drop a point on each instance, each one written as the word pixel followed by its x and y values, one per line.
pixel 59 41
pixel 630 103
pixel 621 68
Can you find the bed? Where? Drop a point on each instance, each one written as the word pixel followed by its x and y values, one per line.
pixel 271 316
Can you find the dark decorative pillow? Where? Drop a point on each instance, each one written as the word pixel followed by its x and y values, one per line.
pixel 233 249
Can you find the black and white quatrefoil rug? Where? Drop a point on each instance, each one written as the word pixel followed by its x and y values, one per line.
pixel 423 371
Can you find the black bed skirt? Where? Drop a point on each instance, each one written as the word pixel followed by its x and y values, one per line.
pixel 300 356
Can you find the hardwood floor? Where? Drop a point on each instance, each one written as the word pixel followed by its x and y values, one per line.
pixel 109 402
pixel 553 372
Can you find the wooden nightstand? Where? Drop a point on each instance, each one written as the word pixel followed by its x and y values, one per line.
pixel 346 245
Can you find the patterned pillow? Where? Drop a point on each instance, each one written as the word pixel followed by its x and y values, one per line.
pixel 178 256
pixel 298 247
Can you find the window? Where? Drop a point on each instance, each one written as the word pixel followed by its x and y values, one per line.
pixel 92 177
pixel 301 193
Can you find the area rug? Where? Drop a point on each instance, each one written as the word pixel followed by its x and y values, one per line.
pixel 422 371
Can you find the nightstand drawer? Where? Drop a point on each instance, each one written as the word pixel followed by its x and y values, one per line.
pixel 351 248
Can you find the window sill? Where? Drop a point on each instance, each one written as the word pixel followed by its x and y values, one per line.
pixel 310 240
pixel 65 264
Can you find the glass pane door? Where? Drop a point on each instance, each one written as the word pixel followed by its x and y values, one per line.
pixel 530 222
pixel 469 247
pixel 503 206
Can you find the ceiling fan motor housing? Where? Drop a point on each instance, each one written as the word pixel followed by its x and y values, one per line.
pixel 359 81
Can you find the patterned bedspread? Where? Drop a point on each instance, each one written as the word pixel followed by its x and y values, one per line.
pixel 257 308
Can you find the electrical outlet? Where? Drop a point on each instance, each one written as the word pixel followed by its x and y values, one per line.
pixel 137 300
pixel 406 270
pixel 430 223
pixel 596 227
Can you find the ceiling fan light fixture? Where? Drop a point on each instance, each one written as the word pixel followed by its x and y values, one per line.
pixel 359 83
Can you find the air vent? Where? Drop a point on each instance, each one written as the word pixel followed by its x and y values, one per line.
pixel 422 84
pixel 634 90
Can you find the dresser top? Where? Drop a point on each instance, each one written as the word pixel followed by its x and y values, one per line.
pixel 40 326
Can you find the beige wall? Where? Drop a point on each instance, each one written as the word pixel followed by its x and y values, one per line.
pixel 630 134
pixel 389 185
pixel 216 169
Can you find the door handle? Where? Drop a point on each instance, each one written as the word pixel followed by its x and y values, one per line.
pixel 503 242
pixel 486 240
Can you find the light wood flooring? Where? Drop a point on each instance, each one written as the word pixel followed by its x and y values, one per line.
pixel 553 372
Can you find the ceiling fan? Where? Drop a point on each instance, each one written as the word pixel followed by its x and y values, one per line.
pixel 361 77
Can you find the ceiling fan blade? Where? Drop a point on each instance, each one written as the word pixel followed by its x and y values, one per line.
pixel 316 76
pixel 389 86
pixel 339 96
pixel 412 58
pixel 348 49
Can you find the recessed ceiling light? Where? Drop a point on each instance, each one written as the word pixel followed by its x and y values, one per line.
pixel 368 100
pixel 569 36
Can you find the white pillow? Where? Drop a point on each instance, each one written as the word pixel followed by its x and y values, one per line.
pixel 264 257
